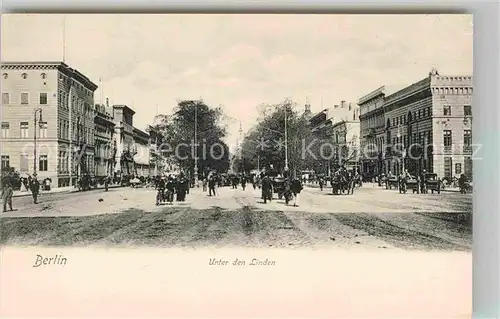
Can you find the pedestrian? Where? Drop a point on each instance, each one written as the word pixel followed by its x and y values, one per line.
pixel 243 182
pixel 321 183
pixel 462 184
pixel 296 189
pixel 212 181
pixel 106 183
pixel 7 193
pixel 266 188
pixel 170 187
pixel 35 189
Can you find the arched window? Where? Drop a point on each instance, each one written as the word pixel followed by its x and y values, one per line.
pixel 5 75
pixel 43 75
pixel 24 76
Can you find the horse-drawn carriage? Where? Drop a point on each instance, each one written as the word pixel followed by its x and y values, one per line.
pixel 86 183
pixel 432 183
pixel 412 184
pixel 342 184
pixel 278 184
pixel 391 182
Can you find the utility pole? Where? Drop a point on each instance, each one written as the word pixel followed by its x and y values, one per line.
pixel 196 143
pixel 240 148
pixel 286 138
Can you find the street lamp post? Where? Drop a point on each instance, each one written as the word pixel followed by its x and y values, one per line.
pixel 196 144
pixel 38 110
pixel 286 139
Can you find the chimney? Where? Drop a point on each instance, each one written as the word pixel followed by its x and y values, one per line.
pixel 107 102
pixel 335 106
pixel 342 104
pixel 350 106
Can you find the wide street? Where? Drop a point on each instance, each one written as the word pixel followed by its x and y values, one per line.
pixel 372 218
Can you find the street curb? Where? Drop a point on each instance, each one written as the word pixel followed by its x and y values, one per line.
pixel 24 194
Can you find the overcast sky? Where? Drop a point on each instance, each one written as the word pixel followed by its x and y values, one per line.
pixel 240 61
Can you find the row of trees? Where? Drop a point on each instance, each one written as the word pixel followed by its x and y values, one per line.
pixel 264 146
pixel 194 130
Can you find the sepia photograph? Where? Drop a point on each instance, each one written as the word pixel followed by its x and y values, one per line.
pixel 292 132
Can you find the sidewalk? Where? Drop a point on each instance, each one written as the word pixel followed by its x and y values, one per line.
pixel 68 189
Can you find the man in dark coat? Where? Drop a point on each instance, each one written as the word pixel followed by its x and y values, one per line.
pixel 321 183
pixel 243 181
pixel 35 189
pixel 170 189
pixel 7 193
pixel 296 189
pixel 266 188
pixel 212 182
pixel 182 187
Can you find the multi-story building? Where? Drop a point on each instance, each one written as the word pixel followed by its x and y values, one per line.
pixel 65 128
pixel 142 153
pixel 338 127
pixel 372 132
pixel 345 135
pixel 123 138
pixel 428 126
pixel 104 145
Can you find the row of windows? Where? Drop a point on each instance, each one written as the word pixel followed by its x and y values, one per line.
pixel 78 131
pixel 426 137
pixel 43 161
pixel 79 87
pixel 448 139
pixel 24 98
pixel 42 128
pixel 427 112
pixel 454 90
pixel 25 76
pixel 447 110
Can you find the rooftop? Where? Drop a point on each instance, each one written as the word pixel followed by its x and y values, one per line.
pixel 61 65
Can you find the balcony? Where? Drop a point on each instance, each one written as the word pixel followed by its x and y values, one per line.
pixel 467 149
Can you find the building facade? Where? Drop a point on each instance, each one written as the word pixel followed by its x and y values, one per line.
pixel 123 138
pixel 65 129
pixel 142 153
pixel 427 127
pixel 338 127
pixel 345 135
pixel 104 146
pixel 372 132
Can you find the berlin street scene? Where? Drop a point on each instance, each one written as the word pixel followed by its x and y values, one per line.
pixel 237 131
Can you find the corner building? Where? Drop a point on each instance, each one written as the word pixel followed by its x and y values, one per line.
pixel 427 126
pixel 66 132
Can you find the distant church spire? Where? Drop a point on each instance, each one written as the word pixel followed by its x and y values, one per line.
pixel 307 108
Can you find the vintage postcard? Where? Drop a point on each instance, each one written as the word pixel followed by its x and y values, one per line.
pixel 236 165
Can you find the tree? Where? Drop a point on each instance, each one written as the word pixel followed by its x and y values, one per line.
pixel 178 132
pixel 264 145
